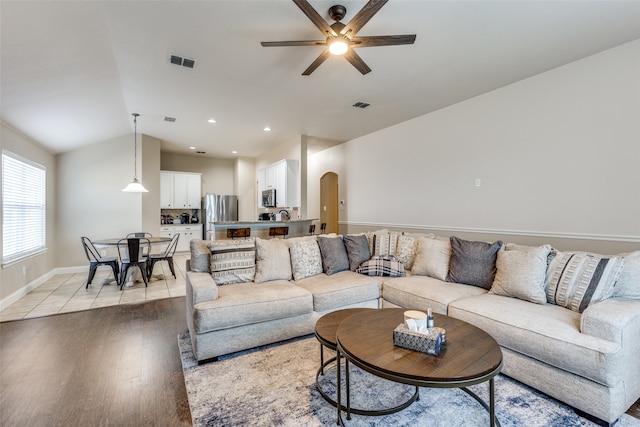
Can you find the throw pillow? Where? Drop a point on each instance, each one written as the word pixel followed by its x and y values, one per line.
pixel 357 246
pixel 628 284
pixel 334 254
pixel 382 265
pixel 199 260
pixel 521 274
pixel 473 263
pixel 579 279
pixel 305 259
pixel 383 242
pixel 406 250
pixel 432 258
pixel 272 260
pixel 232 261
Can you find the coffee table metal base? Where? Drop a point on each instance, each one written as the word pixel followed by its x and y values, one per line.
pixel 347 408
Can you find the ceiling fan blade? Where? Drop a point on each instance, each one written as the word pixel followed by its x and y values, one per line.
pixel 370 41
pixel 295 43
pixel 315 64
pixel 356 61
pixel 362 17
pixel 319 22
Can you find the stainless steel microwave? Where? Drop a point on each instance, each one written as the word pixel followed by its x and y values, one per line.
pixel 269 198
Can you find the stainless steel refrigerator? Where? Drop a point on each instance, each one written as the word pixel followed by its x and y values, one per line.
pixel 217 208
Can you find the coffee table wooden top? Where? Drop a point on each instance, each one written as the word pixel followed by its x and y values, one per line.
pixel 471 356
pixel 327 325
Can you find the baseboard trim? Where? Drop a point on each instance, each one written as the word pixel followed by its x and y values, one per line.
pixel 35 284
pixel 528 233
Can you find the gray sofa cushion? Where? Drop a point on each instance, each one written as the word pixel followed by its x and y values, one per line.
pixel 548 333
pixel 334 254
pixel 473 263
pixel 628 284
pixel 200 255
pixel 522 274
pixel 241 304
pixel 340 289
pixel 432 257
pixel 422 292
pixel 306 260
pixel 357 246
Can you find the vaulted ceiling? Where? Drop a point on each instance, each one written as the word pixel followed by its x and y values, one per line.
pixel 72 72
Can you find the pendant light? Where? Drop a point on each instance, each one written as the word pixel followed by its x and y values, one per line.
pixel 135 186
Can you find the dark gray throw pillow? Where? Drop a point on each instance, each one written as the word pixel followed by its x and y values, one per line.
pixel 357 246
pixel 334 254
pixel 473 263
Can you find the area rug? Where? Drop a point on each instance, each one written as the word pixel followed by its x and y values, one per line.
pixel 275 385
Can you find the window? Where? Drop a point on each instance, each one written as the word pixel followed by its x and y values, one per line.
pixel 23 208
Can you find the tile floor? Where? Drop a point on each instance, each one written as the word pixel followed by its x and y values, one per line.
pixel 64 293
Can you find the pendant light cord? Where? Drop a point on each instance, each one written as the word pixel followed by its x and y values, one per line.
pixel 135 146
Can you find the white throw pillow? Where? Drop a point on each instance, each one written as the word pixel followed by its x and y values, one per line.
pixel 432 258
pixel 521 274
pixel 306 260
pixel 272 260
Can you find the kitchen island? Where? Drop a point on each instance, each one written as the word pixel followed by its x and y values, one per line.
pixel 297 227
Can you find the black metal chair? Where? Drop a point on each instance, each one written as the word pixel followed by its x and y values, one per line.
pixel 312 229
pixel 131 255
pixel 323 227
pixel 279 231
pixel 95 260
pixel 140 234
pixel 232 233
pixel 167 255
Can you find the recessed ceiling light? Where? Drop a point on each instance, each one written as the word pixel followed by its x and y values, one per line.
pixel 211 121
pixel 192 148
pixel 267 129
pixel 234 152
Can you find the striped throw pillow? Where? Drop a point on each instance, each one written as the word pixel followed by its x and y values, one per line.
pixel 232 261
pixel 578 279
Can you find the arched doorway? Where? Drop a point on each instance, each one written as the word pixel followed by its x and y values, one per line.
pixel 329 201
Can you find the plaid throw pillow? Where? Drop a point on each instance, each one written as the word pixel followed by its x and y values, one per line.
pixel 382 265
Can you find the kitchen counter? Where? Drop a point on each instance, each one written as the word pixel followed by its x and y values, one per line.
pixel 297 227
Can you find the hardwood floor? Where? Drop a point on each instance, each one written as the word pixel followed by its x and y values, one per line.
pixel 112 366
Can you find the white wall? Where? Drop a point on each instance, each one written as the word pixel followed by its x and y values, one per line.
pixel 90 198
pixel 12 279
pixel 557 154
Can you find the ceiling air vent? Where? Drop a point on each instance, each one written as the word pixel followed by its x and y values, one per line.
pixel 185 62
pixel 361 104
pixel 170 119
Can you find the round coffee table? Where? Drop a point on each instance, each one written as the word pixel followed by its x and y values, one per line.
pixel 471 356
pixel 326 328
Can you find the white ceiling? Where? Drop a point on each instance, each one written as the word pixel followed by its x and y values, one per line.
pixel 73 71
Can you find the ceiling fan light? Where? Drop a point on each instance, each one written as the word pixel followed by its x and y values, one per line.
pixel 338 47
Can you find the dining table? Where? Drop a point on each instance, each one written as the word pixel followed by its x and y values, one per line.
pixel 133 274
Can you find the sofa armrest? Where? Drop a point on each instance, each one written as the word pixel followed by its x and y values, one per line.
pixel 200 287
pixel 614 319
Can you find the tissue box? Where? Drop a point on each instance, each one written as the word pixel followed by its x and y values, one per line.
pixel 429 343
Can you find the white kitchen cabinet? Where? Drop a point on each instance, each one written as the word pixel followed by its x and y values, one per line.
pixel 180 190
pixel 283 176
pixel 186 231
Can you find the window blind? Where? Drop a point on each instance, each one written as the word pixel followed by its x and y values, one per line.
pixel 23 207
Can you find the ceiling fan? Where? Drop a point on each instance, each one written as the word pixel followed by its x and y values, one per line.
pixel 340 38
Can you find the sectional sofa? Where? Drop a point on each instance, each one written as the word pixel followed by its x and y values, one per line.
pixel 568 323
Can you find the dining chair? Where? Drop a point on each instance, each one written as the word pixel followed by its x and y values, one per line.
pixel 323 227
pixel 278 231
pixel 141 234
pixel 96 260
pixel 167 255
pixel 131 255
